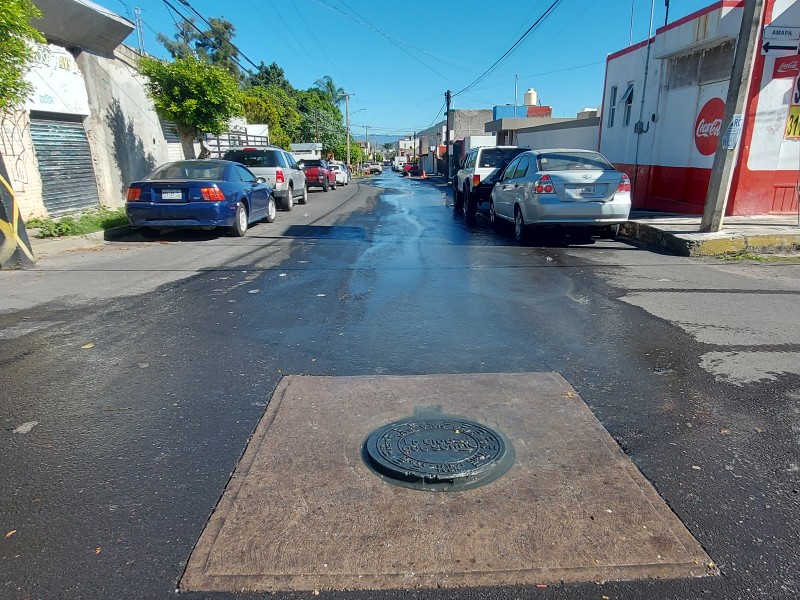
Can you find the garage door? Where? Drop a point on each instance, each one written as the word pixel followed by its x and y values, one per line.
pixel 65 165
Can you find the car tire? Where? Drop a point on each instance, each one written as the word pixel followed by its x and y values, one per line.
pixel 493 220
pixel 470 205
pixel 271 209
pixel 325 185
pixel 520 233
pixel 239 227
pixel 288 202
pixel 458 199
pixel 304 198
pixel 334 184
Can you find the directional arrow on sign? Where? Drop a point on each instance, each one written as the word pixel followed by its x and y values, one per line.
pixel 768 46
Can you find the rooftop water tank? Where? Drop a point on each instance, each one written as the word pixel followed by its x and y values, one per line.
pixel 531 98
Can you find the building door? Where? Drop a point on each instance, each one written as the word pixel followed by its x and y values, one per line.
pixel 65 164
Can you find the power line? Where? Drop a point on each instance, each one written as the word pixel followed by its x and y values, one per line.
pixel 215 30
pixel 513 47
pixel 564 70
pixel 388 37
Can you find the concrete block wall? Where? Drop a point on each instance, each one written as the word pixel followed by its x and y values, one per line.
pixel 124 131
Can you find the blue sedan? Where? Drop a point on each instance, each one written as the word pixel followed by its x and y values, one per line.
pixel 200 193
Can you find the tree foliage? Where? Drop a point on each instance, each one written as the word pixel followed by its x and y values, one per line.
pixel 334 95
pixel 197 96
pixel 293 115
pixel 213 46
pixel 16 51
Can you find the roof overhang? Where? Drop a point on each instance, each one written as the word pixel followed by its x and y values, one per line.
pixel 81 23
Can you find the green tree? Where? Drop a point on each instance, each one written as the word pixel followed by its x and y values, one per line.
pixel 267 76
pixel 213 46
pixel 334 95
pixel 340 151
pixel 273 106
pixel 16 51
pixel 321 126
pixel 198 97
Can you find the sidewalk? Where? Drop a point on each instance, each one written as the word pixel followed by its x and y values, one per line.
pixel 680 234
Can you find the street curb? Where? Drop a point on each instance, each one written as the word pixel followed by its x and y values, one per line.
pixel 711 244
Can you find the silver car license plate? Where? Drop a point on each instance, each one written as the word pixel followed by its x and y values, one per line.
pixel 171 194
pixel 588 190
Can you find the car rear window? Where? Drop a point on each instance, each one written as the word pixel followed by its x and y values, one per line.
pixel 310 163
pixel 253 158
pixel 189 170
pixel 573 161
pixel 497 157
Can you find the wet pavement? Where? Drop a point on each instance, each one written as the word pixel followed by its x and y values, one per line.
pixel 150 364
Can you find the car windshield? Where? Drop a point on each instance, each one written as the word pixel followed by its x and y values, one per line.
pixel 190 170
pixel 573 161
pixel 335 167
pixel 497 157
pixel 253 158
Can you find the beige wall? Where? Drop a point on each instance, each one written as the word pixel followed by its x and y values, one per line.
pixel 124 131
pixel 19 158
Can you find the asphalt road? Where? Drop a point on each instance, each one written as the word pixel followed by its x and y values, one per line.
pixel 146 366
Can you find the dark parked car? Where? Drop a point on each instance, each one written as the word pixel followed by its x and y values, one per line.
pixel 199 193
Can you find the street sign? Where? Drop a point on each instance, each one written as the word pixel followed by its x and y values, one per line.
pixel 777 33
pixel 780 48
pixel 780 40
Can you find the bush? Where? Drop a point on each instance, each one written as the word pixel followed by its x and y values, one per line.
pixel 98 220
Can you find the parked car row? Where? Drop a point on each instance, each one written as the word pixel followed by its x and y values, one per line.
pixel 232 192
pixel 535 188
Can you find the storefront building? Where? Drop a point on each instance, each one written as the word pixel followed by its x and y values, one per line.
pixel 664 102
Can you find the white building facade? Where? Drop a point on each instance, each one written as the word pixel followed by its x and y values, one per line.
pixel 661 117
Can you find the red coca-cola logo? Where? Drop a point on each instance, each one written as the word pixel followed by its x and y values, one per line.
pixel 786 66
pixel 708 126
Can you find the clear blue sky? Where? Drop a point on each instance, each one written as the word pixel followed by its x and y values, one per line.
pixel 397 59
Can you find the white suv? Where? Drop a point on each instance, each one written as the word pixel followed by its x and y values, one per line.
pixel 278 167
pixel 479 171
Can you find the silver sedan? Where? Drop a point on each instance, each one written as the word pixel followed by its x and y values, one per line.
pixel 561 187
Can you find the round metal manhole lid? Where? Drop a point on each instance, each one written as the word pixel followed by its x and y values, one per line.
pixel 438 453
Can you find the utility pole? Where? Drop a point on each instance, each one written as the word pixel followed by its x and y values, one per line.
pixel 366 140
pixel 719 187
pixel 139 30
pixel 447 97
pixel 316 126
pixel 347 121
pixel 516 83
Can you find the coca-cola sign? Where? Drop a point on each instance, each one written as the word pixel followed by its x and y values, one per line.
pixel 786 66
pixel 708 126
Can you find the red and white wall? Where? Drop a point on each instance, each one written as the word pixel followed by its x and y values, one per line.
pixel 671 160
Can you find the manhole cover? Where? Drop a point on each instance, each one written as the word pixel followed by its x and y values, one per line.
pixel 441 454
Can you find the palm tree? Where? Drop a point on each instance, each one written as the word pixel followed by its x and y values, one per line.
pixel 334 95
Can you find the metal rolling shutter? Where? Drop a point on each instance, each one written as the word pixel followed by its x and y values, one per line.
pixel 65 165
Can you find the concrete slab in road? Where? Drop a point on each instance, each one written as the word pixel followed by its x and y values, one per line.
pixel 302 511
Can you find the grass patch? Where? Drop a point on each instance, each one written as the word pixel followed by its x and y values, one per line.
pixel 97 220
pixel 741 256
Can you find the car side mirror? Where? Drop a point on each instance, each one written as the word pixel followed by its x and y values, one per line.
pixel 261 180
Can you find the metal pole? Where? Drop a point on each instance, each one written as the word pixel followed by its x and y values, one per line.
pixel 725 160
pixel 366 140
pixel 347 121
pixel 447 97
pixel 516 81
